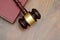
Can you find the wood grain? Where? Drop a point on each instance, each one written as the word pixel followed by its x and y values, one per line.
pixel 47 28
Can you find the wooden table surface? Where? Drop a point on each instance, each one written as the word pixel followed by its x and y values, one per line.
pixel 47 28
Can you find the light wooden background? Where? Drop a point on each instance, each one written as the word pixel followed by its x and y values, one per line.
pixel 47 28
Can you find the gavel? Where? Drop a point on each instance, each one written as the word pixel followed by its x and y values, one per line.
pixel 28 17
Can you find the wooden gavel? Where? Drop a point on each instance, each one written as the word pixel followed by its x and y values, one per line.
pixel 28 17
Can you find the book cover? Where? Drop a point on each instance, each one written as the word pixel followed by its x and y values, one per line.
pixel 9 11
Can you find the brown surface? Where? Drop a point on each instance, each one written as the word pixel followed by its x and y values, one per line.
pixel 47 28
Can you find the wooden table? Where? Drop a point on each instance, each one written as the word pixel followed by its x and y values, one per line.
pixel 47 28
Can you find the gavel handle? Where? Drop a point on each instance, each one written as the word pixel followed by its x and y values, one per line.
pixel 18 3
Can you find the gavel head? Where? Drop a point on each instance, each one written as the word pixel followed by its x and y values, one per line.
pixel 29 18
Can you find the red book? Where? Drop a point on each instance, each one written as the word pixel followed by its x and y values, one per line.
pixel 8 9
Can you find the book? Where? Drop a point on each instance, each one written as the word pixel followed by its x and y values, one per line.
pixel 9 11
